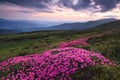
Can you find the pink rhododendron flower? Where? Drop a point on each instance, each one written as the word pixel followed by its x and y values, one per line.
pixel 46 66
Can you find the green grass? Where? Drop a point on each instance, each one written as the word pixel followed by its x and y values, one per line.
pixel 108 45
pixel 98 72
pixel 38 42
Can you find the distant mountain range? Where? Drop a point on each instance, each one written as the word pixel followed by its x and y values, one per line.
pixel 114 25
pixel 81 25
pixel 7 31
pixel 25 25
pixel 18 26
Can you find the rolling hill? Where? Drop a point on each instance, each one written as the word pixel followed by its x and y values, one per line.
pixel 9 31
pixel 25 25
pixel 80 26
pixel 107 26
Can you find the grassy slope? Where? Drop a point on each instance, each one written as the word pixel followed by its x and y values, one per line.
pixel 37 42
pixel 109 46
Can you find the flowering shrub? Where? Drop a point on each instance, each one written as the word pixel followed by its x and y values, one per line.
pixel 49 66
pixel 81 41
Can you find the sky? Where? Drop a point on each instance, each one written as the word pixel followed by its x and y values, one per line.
pixel 59 10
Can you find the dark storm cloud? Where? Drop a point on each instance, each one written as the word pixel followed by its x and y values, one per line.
pixel 43 5
pixel 29 3
pixel 37 5
pixel 79 5
pixel 84 4
pixel 106 4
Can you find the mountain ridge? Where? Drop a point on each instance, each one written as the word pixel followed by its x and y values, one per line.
pixel 81 26
pixel 19 27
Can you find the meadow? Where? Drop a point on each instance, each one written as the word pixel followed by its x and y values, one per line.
pixel 103 66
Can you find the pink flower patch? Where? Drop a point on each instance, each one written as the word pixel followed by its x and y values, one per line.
pixel 52 66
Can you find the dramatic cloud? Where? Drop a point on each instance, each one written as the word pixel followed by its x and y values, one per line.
pixel 54 9
pixel 106 4
pixel 74 4
pixel 29 3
